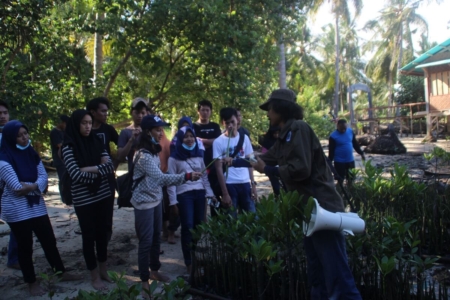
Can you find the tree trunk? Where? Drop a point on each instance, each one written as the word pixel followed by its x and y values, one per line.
pixel 390 95
pixel 336 75
pixel 116 73
pixel 400 54
pixel 282 66
pixel 98 50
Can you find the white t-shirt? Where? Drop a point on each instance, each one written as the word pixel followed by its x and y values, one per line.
pixel 235 175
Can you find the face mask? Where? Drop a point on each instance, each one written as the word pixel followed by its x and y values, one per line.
pixel 154 141
pixel 23 147
pixel 187 147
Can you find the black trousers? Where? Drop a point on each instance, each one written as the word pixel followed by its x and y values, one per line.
pixel 343 169
pixel 94 222
pixel 43 230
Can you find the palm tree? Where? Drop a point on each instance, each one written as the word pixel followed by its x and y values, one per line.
pixel 340 9
pixel 392 37
pixel 304 67
pixel 350 65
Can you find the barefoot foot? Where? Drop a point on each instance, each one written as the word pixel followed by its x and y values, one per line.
pixel 155 275
pixel 102 270
pixel 98 284
pixel 145 290
pixel 171 238
pixel 105 277
pixel 36 289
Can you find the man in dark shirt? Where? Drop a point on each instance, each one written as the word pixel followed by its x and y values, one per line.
pixel 298 158
pixel 98 107
pixel 208 131
pixel 56 140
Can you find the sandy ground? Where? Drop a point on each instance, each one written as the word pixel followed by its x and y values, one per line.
pixel 123 246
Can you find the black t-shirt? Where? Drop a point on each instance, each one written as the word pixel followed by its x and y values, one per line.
pixel 56 137
pixel 207 131
pixel 107 134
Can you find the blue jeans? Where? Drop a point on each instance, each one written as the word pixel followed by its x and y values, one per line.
pixel 148 225
pixel 13 254
pixel 328 272
pixel 191 207
pixel 241 196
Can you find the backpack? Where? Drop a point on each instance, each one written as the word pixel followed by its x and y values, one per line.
pixel 66 186
pixel 126 186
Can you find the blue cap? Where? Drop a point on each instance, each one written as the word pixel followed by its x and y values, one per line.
pixel 151 121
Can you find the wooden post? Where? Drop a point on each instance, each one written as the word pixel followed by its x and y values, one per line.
pixel 411 121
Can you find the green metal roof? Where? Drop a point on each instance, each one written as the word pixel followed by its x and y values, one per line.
pixel 415 67
pixel 434 63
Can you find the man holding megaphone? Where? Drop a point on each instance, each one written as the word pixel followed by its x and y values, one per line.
pixel 297 157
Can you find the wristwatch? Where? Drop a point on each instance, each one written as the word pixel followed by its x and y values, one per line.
pixel 254 183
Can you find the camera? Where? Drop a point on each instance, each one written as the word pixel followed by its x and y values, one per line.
pixel 213 202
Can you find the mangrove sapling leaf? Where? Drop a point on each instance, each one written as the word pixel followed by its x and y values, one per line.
pixel 309 208
pixel 273 267
pixel 386 265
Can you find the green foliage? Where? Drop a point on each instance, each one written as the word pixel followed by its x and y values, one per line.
pixel 315 112
pixel 174 53
pixel 412 90
pixel 250 257
pixel 261 258
pixel 49 281
pixel 177 289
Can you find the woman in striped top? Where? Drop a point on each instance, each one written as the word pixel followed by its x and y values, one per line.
pixel 92 174
pixel 23 206
pixel 147 196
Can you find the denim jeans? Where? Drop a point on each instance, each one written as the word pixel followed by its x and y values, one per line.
pixel 13 256
pixel 241 197
pixel 191 207
pixel 328 272
pixel 148 224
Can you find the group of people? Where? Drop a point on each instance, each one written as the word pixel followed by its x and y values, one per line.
pixel 201 162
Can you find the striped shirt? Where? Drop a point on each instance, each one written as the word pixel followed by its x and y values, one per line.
pixel 80 180
pixel 16 208
pixel 148 193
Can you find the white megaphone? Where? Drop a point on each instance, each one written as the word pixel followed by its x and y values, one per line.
pixel 322 219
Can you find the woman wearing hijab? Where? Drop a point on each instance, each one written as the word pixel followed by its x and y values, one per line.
pixel 147 197
pixel 23 206
pixel 92 174
pixel 190 196
pixel 170 216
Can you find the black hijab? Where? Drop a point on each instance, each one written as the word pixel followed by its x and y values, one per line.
pixel 87 149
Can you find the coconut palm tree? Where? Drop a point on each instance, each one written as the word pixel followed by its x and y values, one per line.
pixel 340 10
pixel 351 68
pixel 393 32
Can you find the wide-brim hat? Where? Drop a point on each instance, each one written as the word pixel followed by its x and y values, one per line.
pixel 281 95
pixel 152 121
